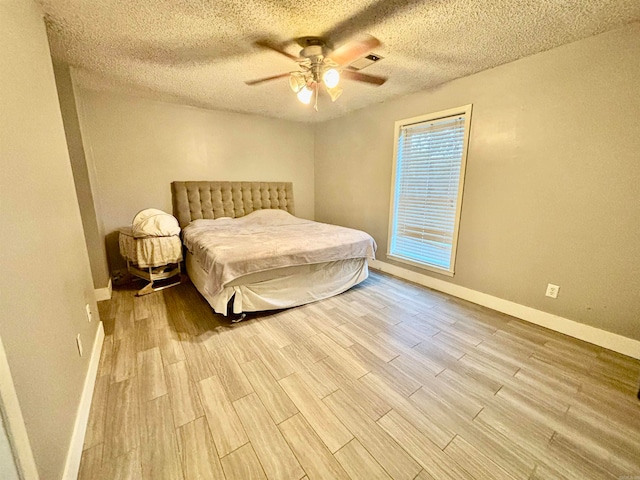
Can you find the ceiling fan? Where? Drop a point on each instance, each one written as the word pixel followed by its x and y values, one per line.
pixel 319 64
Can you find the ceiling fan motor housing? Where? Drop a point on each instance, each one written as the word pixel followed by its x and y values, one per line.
pixel 312 51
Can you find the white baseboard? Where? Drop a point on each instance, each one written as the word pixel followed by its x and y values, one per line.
pixel 74 454
pixel 596 336
pixel 103 293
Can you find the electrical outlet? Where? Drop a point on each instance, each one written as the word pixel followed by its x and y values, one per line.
pixel 552 290
pixel 88 309
pixel 79 342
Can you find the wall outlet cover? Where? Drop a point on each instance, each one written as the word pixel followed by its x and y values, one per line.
pixel 552 290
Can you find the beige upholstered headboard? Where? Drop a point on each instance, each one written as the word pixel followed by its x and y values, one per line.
pixel 195 200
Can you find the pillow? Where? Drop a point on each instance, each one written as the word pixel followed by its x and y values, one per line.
pixel 152 222
pixel 257 218
pixel 202 222
pixel 269 216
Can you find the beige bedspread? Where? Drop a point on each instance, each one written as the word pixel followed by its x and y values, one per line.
pixel 266 239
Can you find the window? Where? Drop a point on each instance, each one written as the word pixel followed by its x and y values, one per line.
pixel 428 177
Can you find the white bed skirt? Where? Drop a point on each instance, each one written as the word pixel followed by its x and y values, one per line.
pixel 281 288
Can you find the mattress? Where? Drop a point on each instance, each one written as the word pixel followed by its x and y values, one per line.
pixel 283 287
pixel 270 259
pixel 267 240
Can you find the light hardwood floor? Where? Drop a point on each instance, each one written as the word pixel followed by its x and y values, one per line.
pixel 388 380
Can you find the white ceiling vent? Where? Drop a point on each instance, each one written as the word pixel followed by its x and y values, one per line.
pixel 365 61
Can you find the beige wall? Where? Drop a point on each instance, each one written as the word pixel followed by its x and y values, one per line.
pixel 552 185
pixel 139 147
pixel 93 232
pixel 46 279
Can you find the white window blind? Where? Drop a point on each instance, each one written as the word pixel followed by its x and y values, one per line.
pixel 429 169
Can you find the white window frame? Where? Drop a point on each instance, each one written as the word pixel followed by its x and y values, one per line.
pixel 466 111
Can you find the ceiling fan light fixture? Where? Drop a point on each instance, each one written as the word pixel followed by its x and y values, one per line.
pixel 304 95
pixel 331 78
pixel 296 82
pixel 334 92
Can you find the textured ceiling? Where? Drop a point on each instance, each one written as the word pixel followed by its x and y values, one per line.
pixel 199 52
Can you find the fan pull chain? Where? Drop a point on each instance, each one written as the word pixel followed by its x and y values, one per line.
pixel 315 106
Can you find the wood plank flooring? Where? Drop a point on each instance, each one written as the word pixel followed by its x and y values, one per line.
pixel 388 380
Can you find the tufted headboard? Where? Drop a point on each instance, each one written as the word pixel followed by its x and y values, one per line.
pixel 194 200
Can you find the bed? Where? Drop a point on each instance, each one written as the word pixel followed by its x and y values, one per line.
pixel 247 252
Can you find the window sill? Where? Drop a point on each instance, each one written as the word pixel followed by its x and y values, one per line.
pixel 423 266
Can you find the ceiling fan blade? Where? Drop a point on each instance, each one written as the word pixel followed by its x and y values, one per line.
pixel 349 52
pixel 266 79
pixel 369 16
pixel 269 46
pixel 362 77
